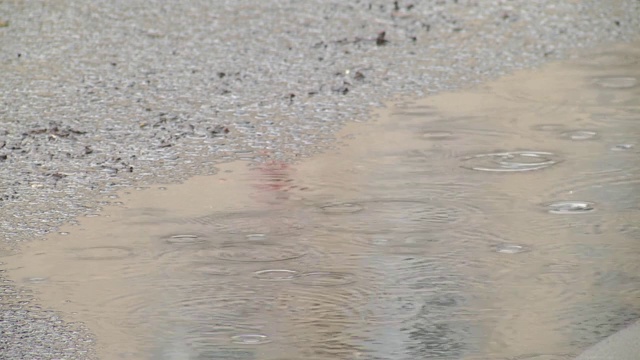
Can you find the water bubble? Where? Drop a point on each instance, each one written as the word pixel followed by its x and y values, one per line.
pixel 275 274
pixel 325 278
pixel 580 135
pixel 511 249
pixel 512 161
pixel 617 82
pixel 570 207
pixel 64 233
pixel 104 253
pixel 250 339
pixel 342 208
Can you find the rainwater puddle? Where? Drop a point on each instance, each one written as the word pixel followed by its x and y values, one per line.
pixel 440 233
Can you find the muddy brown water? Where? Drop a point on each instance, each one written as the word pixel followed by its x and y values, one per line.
pixel 497 223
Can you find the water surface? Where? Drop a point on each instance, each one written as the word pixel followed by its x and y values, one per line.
pixel 496 223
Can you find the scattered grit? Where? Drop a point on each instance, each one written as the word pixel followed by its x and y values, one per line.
pixel 100 95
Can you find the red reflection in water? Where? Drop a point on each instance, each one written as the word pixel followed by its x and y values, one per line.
pixel 274 176
pixel 273 182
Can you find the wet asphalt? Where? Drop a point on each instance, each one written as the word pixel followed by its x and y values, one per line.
pixel 104 95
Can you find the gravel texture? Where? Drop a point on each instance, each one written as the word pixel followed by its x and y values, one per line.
pixel 100 95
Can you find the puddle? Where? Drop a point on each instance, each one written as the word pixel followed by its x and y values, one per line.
pixel 439 231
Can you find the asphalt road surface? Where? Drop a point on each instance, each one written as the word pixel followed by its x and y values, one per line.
pixel 97 96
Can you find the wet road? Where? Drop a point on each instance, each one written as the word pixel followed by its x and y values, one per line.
pixel 97 97
pixel 495 223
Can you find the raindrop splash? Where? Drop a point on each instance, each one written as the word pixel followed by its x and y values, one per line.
pixel 342 208
pixel 249 251
pixel 617 82
pixel 183 239
pixel 511 249
pixel 622 147
pixel 512 161
pixel 570 207
pixel 325 278
pixel 437 135
pixel 250 339
pixel 548 127
pixel 579 135
pixel 104 253
pixel 275 275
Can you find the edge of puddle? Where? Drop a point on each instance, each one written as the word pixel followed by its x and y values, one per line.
pixel 198 203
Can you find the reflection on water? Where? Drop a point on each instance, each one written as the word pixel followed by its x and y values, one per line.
pixel 499 223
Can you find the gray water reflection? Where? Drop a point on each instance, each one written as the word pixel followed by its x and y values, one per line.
pixel 499 223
